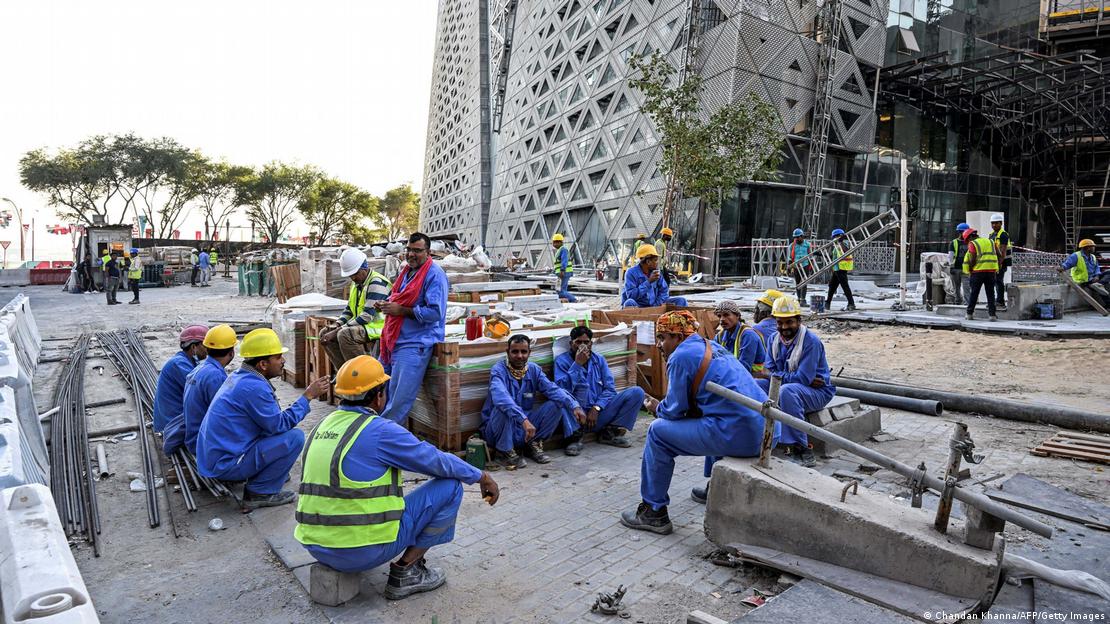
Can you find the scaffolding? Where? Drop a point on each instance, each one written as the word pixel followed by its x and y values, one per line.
pixel 828 38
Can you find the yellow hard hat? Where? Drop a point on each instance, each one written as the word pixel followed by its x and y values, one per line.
pixel 220 337
pixel 1086 242
pixel 646 250
pixel 358 376
pixel 785 306
pixel 769 297
pixel 557 237
pixel 261 343
pixel 666 232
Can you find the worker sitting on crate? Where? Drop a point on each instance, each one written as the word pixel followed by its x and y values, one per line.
pixel 691 420
pixel 745 343
pixel 586 376
pixel 360 326
pixel 1086 273
pixel 644 284
pixel 352 514
pixel 170 391
pixel 245 436
pixel 797 356
pixel 201 386
pixel 510 416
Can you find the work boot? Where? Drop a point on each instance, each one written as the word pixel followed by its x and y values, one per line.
pixel 700 494
pixel 412 579
pixel 509 460
pixel 133 301
pixel 969 316
pixel 647 519
pixel 613 436
pixel 993 318
pixel 254 501
pixel 574 446
pixel 805 456
pixel 535 451
pixel 851 307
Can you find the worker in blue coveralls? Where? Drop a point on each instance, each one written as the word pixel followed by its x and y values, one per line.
pixel 691 420
pixel 245 436
pixel 564 268
pixel 510 416
pixel 170 391
pixel 415 315
pixel 585 375
pixel 200 386
pixel 352 514
pixel 644 284
pixel 797 355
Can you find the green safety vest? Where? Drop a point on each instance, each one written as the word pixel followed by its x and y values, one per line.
pixel 1079 272
pixel 959 253
pixel 104 260
pixel 356 303
pixel 846 262
pixel 556 263
pixel 332 510
pixel 1009 239
pixel 136 271
pixel 661 247
pixel 986 259
pixel 213 259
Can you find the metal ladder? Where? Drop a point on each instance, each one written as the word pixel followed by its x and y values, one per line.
pixel 822 258
pixel 503 25
pixel 1070 214
pixel 828 36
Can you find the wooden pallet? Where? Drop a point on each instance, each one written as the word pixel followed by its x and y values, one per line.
pixel 287 281
pixel 484 297
pixel 1073 445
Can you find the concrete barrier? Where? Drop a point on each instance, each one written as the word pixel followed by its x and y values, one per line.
pixel 15 277
pixel 23 455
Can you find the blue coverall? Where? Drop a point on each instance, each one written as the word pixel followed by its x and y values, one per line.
pixel 170 391
pixel 594 385
pixel 200 388
pixel 724 429
pixel 564 276
pixel 640 292
pixel 246 437
pixel 750 351
pixel 768 328
pixel 419 334
pixel 430 510
pixel 510 402
pixel 796 396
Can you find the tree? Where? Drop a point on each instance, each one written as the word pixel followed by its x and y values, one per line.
pixel 161 174
pixel 272 194
pixel 399 213
pixel 332 207
pixel 81 183
pixel 701 157
pixel 215 183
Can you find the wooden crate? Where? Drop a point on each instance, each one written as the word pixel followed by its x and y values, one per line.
pixel 296 361
pixel 287 281
pixel 316 358
pixel 477 297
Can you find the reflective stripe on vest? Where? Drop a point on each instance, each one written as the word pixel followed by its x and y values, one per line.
pixel 558 264
pixel 985 258
pixel 1079 273
pixel 720 338
pixel 959 255
pixel 136 271
pixel 105 260
pixel 356 303
pixel 995 236
pixel 334 511
pixel 845 262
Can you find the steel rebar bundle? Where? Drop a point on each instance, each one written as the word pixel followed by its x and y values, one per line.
pixel 71 477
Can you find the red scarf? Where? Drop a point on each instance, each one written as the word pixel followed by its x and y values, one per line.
pixel 407 297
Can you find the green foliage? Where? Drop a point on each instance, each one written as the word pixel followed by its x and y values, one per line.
pixel 701 157
pixel 270 196
pixel 333 207
pixel 399 214
pixel 214 184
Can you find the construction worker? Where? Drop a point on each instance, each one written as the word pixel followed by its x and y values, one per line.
pixel 194 261
pixel 740 339
pixel 844 265
pixel 170 391
pixel 644 284
pixel 1003 246
pixel 641 240
pixel 661 245
pixel 359 326
pixel 201 385
pixel 797 355
pixel 765 324
pixel 981 263
pixel 586 376
pixel 244 435
pixel 798 257
pixel 510 417
pixel 111 277
pixel 352 514
pixel 104 259
pixel 956 263
pixel 415 317
pixel 124 261
pixel 135 274
pixel 692 421
pixel 1086 272
pixel 564 268
pixel 214 259
pixel 205 263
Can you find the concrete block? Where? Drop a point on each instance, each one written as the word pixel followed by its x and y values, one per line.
pixel 331 587
pixel 796 510
pixel 981 527
pixel 844 406
pixel 840 412
pixel 864 423
pixel 821 417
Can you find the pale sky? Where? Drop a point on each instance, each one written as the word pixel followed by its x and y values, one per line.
pixel 340 84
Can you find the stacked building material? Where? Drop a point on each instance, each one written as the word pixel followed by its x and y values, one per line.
pixel 288 321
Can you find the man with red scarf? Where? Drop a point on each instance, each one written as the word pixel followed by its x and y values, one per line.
pixel 415 312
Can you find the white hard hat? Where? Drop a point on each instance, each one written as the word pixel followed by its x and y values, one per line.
pixel 351 261
pixel 997 218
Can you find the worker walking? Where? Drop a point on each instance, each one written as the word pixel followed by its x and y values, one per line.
pixel 956 264
pixel 415 317
pixel 111 278
pixel 170 391
pixel 564 268
pixel 797 355
pixel 585 375
pixel 214 260
pixel 510 417
pixel 135 274
pixel 194 260
pixel 844 265
pixel 798 256
pixel 690 420
pixel 205 268
pixel 352 514
pixel 359 326
pixel 1003 246
pixel 1086 272
pixel 201 385
pixel 644 284
pixel 981 263
pixel 245 436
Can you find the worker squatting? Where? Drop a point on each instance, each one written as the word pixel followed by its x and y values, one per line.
pixel 351 512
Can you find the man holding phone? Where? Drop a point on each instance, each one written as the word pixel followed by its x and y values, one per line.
pixel 644 284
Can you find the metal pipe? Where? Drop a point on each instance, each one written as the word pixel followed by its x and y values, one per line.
pixel 999 408
pixel 970 498
pixel 882 399
pixel 102 462
pixel 105 403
